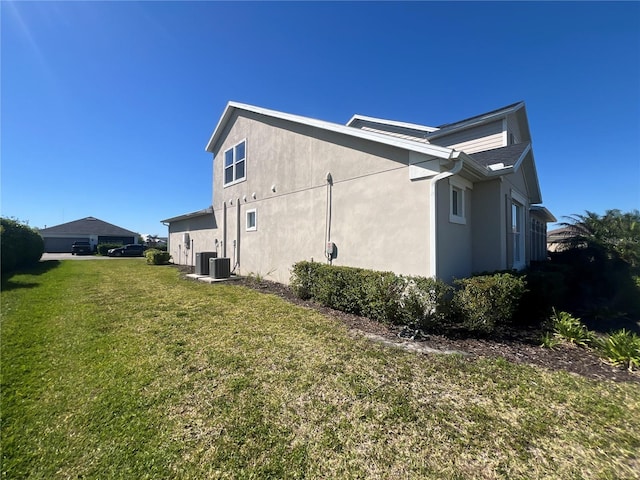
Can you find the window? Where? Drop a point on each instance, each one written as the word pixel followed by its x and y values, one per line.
pixel 457 194
pixel 252 224
pixel 234 164
pixel 517 229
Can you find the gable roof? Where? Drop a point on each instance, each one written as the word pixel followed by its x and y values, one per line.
pixel 432 150
pixel 511 157
pixel 88 226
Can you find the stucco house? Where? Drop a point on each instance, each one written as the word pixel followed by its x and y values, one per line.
pixel 59 238
pixel 443 201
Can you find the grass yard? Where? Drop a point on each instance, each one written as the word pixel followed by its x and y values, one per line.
pixel 117 369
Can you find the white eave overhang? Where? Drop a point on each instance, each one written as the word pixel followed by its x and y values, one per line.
pixel 199 213
pixel 393 123
pixel 475 121
pixel 434 151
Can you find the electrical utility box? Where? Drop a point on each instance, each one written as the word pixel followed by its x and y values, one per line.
pixel 220 267
pixel 202 262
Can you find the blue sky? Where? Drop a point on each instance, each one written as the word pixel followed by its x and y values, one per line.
pixel 106 107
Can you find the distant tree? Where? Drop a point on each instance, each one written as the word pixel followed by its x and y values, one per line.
pixel 20 245
pixel 614 235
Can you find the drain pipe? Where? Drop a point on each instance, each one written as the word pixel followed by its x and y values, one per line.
pixel 433 257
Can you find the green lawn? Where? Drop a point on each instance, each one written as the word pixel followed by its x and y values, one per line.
pixel 116 369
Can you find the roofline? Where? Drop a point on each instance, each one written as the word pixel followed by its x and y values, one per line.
pixel 199 213
pixel 511 168
pixel 394 123
pixel 476 120
pixel 427 149
pixel 549 217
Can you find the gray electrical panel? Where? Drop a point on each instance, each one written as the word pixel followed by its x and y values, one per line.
pixel 202 262
pixel 220 267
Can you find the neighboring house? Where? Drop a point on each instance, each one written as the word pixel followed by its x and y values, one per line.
pixel 443 201
pixel 60 237
pixel 557 239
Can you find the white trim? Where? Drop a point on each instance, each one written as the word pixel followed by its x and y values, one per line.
pixel 434 150
pixel 459 185
pixel 505 135
pixel 519 200
pixel 433 213
pixel 233 165
pixel 475 121
pixel 393 123
pixel 255 220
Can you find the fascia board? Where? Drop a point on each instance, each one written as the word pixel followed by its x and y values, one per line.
pixel 476 121
pixel 433 150
pixel 394 123
pixel 199 213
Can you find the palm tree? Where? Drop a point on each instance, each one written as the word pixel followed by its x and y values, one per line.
pixel 616 235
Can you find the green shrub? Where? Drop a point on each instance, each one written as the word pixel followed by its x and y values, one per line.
pixel 486 303
pixel 621 348
pixel 103 248
pixel 157 257
pixel 425 302
pixel 381 296
pixel 569 329
pixel 21 246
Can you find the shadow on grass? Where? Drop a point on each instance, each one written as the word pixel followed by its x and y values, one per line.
pixel 37 269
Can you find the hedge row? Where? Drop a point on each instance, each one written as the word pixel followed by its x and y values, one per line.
pixel 21 245
pixel 484 303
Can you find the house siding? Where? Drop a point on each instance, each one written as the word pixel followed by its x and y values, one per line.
pixel 454 240
pixel 379 218
pixel 489 227
pixel 202 235
pixel 474 139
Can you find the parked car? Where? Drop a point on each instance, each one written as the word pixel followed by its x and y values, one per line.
pixel 81 248
pixel 132 250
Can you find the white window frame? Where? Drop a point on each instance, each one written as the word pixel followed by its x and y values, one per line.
pixel 458 188
pixel 519 244
pixel 234 164
pixel 254 227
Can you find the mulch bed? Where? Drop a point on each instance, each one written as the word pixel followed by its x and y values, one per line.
pixel 521 346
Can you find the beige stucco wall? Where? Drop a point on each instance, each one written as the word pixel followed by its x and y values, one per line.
pixel 454 240
pixel 488 225
pixel 202 235
pixel 380 218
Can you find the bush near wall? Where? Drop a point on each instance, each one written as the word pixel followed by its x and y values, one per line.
pixel 21 245
pixel 157 257
pixel 487 303
pixel 381 296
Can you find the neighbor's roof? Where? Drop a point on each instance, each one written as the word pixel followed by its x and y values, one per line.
pixel 199 213
pixel 88 226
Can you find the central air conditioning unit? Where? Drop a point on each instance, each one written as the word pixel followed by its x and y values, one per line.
pixel 220 267
pixel 202 262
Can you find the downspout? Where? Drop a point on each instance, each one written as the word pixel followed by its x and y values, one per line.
pixel 434 210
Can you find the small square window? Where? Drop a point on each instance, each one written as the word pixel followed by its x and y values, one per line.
pixel 456 205
pixel 252 220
